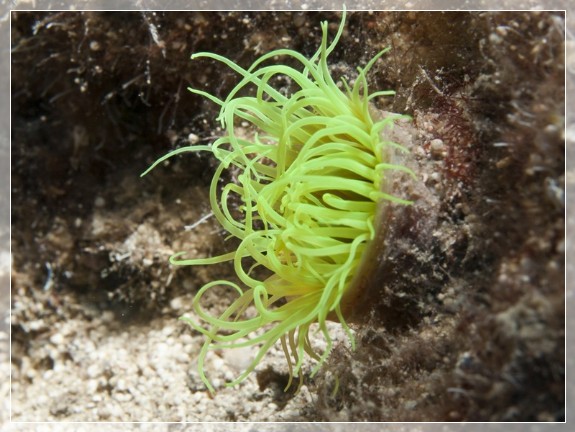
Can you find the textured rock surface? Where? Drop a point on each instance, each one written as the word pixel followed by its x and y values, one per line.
pixel 467 321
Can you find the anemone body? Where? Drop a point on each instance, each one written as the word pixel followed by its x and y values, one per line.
pixel 310 183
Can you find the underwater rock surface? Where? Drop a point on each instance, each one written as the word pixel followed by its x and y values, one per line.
pixel 465 321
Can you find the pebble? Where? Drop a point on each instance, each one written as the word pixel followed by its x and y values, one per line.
pixel 121 385
pixel 437 148
pixel 94 370
pixel 176 303
pixel 103 412
pixel 193 138
pixel 95 46
pixel 123 396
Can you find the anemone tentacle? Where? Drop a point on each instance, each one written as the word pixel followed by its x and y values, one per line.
pixel 311 180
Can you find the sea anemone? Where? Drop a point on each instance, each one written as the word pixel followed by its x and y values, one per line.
pixel 311 181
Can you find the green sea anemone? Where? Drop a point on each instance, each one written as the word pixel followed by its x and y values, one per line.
pixel 310 184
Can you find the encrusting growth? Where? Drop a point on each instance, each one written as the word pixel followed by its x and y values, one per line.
pixel 310 184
